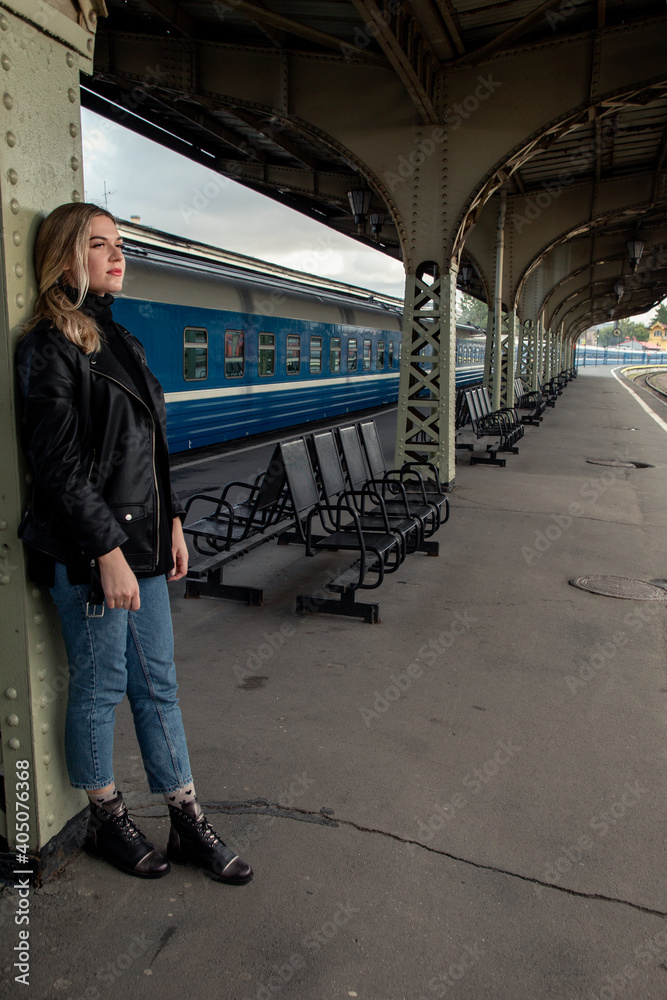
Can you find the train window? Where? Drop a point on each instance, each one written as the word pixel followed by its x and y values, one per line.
pixel 195 353
pixel 391 353
pixel 367 359
pixel 315 355
pixel 293 354
pixel 266 364
pixel 380 361
pixel 352 354
pixel 334 354
pixel 234 353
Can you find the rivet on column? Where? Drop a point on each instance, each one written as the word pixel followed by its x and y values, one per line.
pixel 74 163
pixel 14 206
pixel 13 176
pixel 76 195
pixel 71 95
pixel 5 62
pixel 11 139
pixel 46 759
pixel 8 101
pixel 14 744
pixel 20 300
pixel 69 59
pixel 11 693
pixel 50 819
pixel 44 728
pixel 12 720
pixel 73 130
pixel 16 239
pixel 18 270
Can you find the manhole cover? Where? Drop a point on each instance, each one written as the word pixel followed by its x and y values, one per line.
pixel 620 586
pixel 616 463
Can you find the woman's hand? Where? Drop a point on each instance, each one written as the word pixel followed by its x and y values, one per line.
pixel 179 551
pixel 120 585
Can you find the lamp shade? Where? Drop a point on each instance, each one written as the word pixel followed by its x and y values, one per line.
pixel 635 251
pixel 376 221
pixel 359 199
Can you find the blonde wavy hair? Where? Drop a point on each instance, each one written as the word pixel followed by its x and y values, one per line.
pixel 62 242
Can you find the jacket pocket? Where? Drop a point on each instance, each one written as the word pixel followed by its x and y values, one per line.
pixel 136 520
pixel 127 513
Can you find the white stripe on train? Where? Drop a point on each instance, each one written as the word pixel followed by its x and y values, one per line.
pixel 261 387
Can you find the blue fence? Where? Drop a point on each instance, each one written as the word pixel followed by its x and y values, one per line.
pixel 614 356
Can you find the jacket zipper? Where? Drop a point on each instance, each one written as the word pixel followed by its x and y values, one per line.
pixel 155 484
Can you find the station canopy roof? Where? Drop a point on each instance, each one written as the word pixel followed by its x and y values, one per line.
pixel 241 139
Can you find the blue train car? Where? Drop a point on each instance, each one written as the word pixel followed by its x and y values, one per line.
pixel 242 346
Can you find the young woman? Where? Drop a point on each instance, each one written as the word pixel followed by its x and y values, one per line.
pixel 104 528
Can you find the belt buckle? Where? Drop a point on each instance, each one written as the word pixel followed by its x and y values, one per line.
pixel 91 610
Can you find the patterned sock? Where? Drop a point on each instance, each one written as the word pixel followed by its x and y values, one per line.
pixel 102 797
pixel 183 797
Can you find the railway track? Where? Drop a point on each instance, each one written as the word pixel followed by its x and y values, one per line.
pixel 654 382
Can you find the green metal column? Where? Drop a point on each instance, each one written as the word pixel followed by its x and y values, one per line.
pixel 528 357
pixel 508 349
pixel 427 390
pixel 488 353
pixel 546 358
pixel 42 50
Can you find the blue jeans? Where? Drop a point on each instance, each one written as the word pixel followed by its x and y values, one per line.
pixel 121 652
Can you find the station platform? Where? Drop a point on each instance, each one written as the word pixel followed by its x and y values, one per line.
pixel 465 800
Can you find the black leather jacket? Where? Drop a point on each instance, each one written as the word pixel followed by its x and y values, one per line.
pixel 96 451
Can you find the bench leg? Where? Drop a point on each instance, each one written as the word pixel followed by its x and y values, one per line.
pixel 347 605
pixel 491 458
pixel 213 586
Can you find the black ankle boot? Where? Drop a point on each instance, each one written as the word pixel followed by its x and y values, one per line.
pixel 112 836
pixel 193 841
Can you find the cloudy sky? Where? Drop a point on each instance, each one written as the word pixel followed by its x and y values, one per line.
pixel 166 190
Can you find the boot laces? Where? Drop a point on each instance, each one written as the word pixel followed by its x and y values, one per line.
pixel 208 833
pixel 127 826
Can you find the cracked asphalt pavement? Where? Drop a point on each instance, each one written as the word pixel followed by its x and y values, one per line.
pixel 466 800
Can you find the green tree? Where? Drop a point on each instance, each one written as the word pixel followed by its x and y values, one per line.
pixel 471 310
pixel 629 330
pixel 661 314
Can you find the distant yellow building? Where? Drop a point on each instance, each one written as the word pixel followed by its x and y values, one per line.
pixel 658 335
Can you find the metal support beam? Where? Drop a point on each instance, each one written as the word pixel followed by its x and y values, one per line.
pixel 408 50
pixel 498 305
pixel 508 347
pixel 488 352
pixel 427 384
pixel 528 369
pixel 40 168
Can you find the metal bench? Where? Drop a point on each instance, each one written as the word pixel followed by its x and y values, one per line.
pixel 502 424
pixel 368 503
pixel 395 500
pixel 529 400
pixel 334 527
pixel 230 529
pixel 408 476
